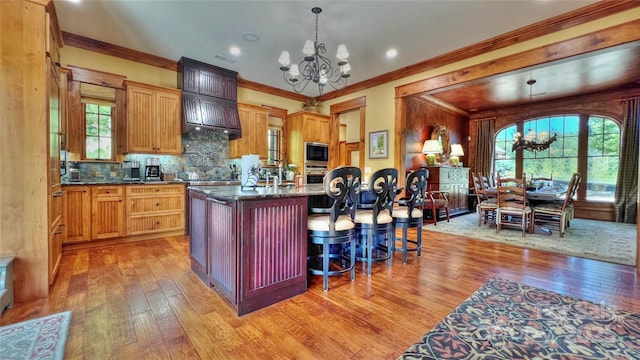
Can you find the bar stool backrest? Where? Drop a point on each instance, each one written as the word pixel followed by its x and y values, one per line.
pixel 384 186
pixel 343 186
pixel 416 188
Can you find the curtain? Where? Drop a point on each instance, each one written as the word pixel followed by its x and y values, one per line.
pixel 626 196
pixel 485 147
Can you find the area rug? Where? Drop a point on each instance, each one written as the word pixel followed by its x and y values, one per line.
pixel 41 338
pixel 599 240
pixel 505 319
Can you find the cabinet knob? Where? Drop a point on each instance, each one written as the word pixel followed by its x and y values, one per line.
pixel 157 204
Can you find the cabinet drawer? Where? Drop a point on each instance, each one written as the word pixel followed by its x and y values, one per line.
pixel 156 223
pixel 142 190
pixel 138 206
pixel 104 191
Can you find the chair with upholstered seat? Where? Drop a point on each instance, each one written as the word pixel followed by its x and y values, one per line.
pixel 513 209
pixel 485 205
pixel 558 214
pixel 435 201
pixel 335 226
pixel 374 223
pixel 409 213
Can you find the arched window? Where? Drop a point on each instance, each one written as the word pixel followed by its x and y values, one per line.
pixel 587 144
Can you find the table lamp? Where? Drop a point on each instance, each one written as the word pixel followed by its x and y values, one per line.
pixel 431 148
pixel 456 152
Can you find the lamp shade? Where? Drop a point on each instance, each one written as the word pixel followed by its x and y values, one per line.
pixel 456 150
pixel 431 147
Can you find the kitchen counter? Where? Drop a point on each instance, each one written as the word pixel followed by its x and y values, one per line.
pixel 154 182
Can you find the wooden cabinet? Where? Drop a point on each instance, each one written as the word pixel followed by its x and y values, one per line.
pixel 205 79
pixel 255 123
pixel 107 212
pixel 154 208
pixel 77 214
pixel 304 126
pixel 153 119
pixel 453 180
pixel 316 128
pixel 198 251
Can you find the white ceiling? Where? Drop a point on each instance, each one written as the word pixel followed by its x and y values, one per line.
pixel 419 30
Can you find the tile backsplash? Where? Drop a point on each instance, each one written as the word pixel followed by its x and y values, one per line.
pixel 204 152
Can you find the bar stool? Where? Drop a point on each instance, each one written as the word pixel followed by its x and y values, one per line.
pixel 334 227
pixel 374 222
pixel 409 213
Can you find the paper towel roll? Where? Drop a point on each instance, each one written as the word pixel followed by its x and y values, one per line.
pixel 250 167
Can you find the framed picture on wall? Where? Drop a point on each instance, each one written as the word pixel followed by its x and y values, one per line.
pixel 379 144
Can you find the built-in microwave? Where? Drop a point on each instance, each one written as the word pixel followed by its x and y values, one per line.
pixel 316 152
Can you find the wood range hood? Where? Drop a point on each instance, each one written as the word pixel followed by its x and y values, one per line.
pixel 209 97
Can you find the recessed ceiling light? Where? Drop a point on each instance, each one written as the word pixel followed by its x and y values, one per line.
pixel 234 50
pixel 249 36
pixel 391 53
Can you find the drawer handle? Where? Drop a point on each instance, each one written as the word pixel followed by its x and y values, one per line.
pixel 157 204
pixel 58 193
pixel 107 191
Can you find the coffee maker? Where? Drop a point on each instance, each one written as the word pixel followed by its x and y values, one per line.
pixel 152 171
pixel 131 170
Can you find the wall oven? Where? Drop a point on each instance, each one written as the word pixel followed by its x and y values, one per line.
pixel 314 172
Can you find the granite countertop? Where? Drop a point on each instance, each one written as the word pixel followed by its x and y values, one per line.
pixel 237 193
pixel 153 182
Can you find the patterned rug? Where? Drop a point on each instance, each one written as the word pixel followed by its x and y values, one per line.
pixel 591 239
pixel 508 320
pixel 41 338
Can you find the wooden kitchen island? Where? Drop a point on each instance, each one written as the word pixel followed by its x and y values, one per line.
pixel 250 245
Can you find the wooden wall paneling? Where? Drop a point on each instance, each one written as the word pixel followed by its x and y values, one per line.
pixel 75 132
pixel 23 151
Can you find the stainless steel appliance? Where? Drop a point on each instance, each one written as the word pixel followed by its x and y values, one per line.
pixel 131 170
pixel 314 172
pixel 316 152
pixel 152 170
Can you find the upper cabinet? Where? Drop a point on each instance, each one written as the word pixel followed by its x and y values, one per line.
pixel 304 127
pixel 255 122
pixel 153 119
pixel 204 79
pixel 209 97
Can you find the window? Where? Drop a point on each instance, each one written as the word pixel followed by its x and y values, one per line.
pixel 274 140
pixel 98 131
pixel 563 157
pixel 98 111
pixel 560 160
pixel 602 158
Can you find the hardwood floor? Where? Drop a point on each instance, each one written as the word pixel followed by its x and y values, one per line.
pixel 141 301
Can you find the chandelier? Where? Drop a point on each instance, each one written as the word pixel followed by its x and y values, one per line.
pixel 531 141
pixel 315 66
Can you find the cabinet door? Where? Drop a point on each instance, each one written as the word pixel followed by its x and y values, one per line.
pixel 322 129
pixel 211 83
pixel 54 125
pixel 198 249
pixel 141 115
pixel 191 108
pixel 78 214
pixel 55 251
pixel 254 122
pixel 212 112
pixel 309 128
pixel 190 78
pixel 230 88
pixel 168 123
pixel 107 217
pixel 261 121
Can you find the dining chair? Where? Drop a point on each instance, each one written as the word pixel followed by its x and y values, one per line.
pixel 374 227
pixel 513 209
pixel 408 213
pixel 538 182
pixel 486 205
pixel 434 202
pixel 334 226
pixel 558 214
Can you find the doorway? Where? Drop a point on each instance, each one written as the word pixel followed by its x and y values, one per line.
pixel 347 136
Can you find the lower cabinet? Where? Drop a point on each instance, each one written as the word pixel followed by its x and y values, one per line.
pixel 154 208
pixel 107 212
pixel 78 214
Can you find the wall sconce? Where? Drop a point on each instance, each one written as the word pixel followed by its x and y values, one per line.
pixel 456 152
pixel 431 148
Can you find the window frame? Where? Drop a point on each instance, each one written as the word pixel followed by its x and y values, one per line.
pixel 88 101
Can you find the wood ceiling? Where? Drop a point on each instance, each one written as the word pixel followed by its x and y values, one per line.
pixel 598 71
